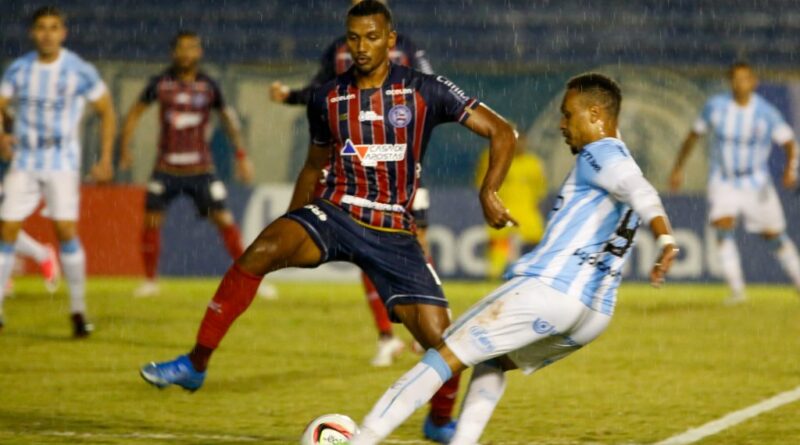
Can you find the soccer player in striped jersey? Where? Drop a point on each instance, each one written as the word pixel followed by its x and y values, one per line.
pixel 51 87
pixel 561 295
pixel 187 96
pixel 371 125
pixel 336 60
pixel 743 127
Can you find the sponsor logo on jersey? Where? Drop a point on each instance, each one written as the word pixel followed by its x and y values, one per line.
pixel 596 260
pixel 371 154
pixel 183 98
pixel 369 116
pixel 338 99
pixel 454 89
pixel 400 116
pixel 399 92
pixel 181 120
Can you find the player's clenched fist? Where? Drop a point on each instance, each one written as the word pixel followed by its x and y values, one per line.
pixel 495 213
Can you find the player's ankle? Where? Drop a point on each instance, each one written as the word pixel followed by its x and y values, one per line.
pixel 199 357
pixel 383 336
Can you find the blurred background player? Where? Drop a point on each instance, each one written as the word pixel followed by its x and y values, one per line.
pixel 523 190
pixel 186 96
pixel 335 61
pixel 743 127
pixel 555 302
pixel 51 85
pixel 362 214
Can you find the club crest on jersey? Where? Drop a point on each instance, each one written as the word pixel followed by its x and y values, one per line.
pixel 400 116
pixel 371 154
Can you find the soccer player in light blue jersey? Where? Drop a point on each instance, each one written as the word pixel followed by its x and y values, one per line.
pixel 50 87
pixel 743 127
pixel 561 295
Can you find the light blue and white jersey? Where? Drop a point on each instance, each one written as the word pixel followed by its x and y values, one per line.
pixel 50 99
pixel 741 139
pixel 590 230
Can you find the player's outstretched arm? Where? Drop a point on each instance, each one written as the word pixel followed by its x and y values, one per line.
pixel 103 171
pixel 676 177
pixel 485 122
pixel 790 171
pixel 232 126
pixel 309 176
pixel 128 128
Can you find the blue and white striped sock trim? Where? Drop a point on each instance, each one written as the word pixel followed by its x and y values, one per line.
pixel 433 359
pixel 6 248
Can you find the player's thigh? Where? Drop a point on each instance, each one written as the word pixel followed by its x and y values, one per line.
pixel 426 322
pixel 65 229
pixel 208 193
pixel 764 213
pixel 62 195
pixel 522 313
pixel 397 266
pixel 161 190
pixel 725 202
pixel 22 195
pixel 284 243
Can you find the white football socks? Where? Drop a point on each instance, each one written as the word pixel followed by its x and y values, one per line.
pixel 413 390
pixel 6 267
pixel 485 390
pixel 731 264
pixel 73 260
pixel 29 247
pixel 786 254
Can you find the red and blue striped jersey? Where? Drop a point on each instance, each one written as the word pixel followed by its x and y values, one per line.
pixel 378 138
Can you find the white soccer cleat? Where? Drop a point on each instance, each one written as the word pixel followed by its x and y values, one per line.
pixel 267 291
pixel 388 349
pixel 735 299
pixel 147 289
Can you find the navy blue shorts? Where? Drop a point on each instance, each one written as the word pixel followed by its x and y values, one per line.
pixel 206 191
pixel 394 261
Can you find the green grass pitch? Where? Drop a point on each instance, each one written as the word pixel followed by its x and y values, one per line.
pixel 672 359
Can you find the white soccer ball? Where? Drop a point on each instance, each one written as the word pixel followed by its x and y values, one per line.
pixel 329 429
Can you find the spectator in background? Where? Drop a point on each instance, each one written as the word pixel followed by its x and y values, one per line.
pixel 522 192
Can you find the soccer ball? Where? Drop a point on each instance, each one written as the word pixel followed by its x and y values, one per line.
pixel 330 429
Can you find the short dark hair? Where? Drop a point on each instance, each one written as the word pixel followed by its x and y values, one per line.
pixel 47 11
pixel 603 88
pixel 739 64
pixel 182 34
pixel 370 7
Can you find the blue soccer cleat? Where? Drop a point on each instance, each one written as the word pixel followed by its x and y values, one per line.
pixel 179 372
pixel 439 434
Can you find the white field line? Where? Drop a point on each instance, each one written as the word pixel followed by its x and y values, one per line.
pixel 696 434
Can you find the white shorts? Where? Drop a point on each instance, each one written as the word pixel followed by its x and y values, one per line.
pixel 24 191
pixel 527 320
pixel 760 209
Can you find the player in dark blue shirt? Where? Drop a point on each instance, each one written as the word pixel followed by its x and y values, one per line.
pixel 335 61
